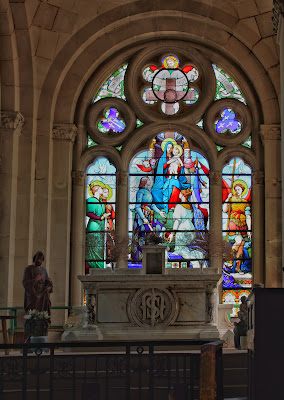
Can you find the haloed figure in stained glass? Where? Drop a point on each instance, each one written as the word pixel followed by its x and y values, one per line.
pixel 171 202
pixel 239 224
pixel 185 230
pixel 96 211
pixel 105 196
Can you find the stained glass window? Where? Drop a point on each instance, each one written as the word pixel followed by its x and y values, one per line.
pixel 226 87
pixel 228 122
pixel 139 123
pixel 200 124
pixel 169 182
pixel 237 223
pixel 113 86
pixel 247 143
pixel 111 121
pixel 90 142
pixel 100 213
pixel 169 198
pixel 170 84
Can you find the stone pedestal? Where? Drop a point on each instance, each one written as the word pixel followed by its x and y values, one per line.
pixel 130 305
pixel 154 259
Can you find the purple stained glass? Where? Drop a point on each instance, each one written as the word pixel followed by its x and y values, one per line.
pixel 228 121
pixel 111 121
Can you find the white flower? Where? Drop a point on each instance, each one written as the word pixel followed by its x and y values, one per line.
pixel 35 314
pixel 45 314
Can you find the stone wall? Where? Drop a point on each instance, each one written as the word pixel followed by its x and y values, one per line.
pixel 53 53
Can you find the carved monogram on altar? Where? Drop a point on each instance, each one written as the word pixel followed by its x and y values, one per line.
pixel 152 307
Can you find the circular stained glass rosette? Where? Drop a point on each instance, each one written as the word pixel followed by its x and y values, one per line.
pixel 111 121
pixel 228 122
pixel 170 86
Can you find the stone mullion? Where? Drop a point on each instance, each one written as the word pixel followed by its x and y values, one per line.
pixel 59 258
pixel 10 130
pixel 121 219
pixel 216 217
pixel 215 258
pixel 258 226
pixel 78 236
pixel 273 219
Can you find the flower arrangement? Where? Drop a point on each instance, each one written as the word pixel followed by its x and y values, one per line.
pixel 153 238
pixel 117 246
pixel 37 323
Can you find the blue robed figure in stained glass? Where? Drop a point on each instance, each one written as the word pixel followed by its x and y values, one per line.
pixel 162 208
pixel 170 177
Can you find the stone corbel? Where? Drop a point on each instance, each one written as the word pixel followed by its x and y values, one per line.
pixel 270 132
pixel 78 178
pixel 258 178
pixel 66 132
pixel 12 120
pixel 215 177
pixel 122 178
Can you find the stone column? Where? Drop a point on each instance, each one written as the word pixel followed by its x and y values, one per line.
pixel 216 218
pixel 273 221
pixel 258 226
pixel 278 22
pixel 215 195
pixel 78 237
pixel 63 136
pixel 11 123
pixel 121 219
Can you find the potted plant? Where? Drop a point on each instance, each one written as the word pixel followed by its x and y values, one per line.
pixel 36 326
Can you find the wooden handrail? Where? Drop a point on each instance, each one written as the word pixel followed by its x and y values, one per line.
pixel 211 371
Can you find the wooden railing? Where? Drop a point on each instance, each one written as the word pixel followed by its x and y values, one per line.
pixel 211 371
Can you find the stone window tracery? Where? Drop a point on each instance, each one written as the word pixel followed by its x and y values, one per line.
pixel 169 91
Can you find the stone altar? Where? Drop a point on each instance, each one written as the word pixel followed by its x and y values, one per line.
pixel 128 304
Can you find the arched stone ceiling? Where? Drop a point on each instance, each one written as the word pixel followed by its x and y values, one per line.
pixel 71 38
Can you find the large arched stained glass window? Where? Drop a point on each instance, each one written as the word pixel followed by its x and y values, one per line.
pixel 168 181
pixel 237 223
pixel 169 201
pixel 100 213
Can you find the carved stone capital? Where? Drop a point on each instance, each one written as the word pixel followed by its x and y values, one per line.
pixel 78 178
pixel 278 11
pixel 64 132
pixel 122 178
pixel 215 177
pixel 12 120
pixel 270 132
pixel 258 178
